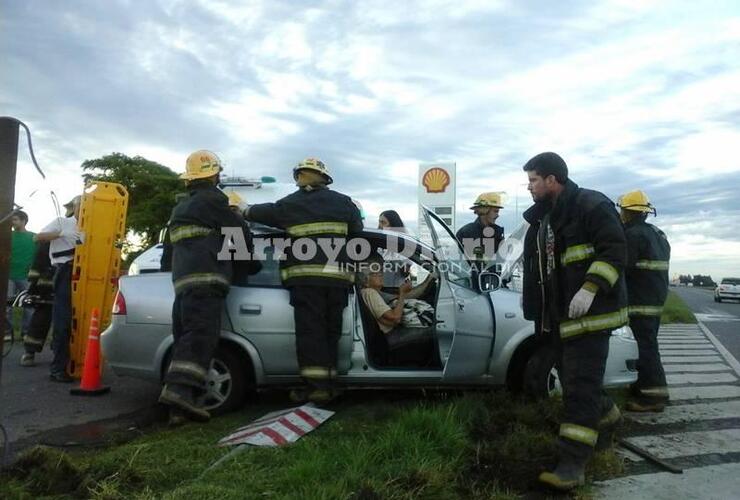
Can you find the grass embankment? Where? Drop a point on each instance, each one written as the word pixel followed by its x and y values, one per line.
pixel 476 445
pixel 676 310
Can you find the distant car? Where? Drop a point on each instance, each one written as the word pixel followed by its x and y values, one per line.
pixel 728 289
pixel 480 336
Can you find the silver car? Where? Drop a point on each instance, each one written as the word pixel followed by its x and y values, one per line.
pixel 480 337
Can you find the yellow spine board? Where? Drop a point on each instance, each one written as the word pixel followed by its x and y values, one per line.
pixel 97 263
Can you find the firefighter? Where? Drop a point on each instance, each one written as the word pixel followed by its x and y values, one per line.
pixel 318 287
pixel 482 237
pixel 574 290
pixel 648 253
pixel 201 281
pixel 41 294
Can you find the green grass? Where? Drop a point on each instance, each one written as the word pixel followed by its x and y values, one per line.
pixel 438 446
pixel 676 310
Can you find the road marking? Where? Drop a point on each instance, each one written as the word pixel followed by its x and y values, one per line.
pixel 689 413
pixel 718 367
pixel 710 392
pixel 687 352
pixel 691 359
pixel 686 347
pixel 724 352
pixel 705 318
pixel 685 341
pixel 690 443
pixel 716 482
pixel 664 338
pixel 701 378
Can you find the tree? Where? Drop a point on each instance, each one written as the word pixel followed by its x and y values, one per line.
pixel 151 189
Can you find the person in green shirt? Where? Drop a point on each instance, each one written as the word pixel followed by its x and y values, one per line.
pixel 22 252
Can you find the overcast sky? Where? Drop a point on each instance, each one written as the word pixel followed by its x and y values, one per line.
pixel 633 94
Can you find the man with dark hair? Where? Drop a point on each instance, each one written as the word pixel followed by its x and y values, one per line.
pixel 574 290
pixel 648 255
pixel 22 251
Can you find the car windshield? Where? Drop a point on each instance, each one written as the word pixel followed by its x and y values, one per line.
pixel 731 281
pixel 509 255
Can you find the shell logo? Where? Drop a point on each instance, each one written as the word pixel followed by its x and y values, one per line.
pixel 436 180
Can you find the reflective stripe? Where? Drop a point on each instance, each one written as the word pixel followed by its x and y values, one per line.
pixel 605 270
pixel 652 265
pixel 45 281
pixel 645 310
pixel 316 228
pixel 661 392
pixel 183 232
pixel 317 271
pixel 579 433
pixel 189 368
pixel 577 253
pixel 611 418
pixel 597 323
pixel 33 274
pixel 30 340
pixel 201 279
pixel 315 372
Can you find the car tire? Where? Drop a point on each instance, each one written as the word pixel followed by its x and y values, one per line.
pixel 541 379
pixel 227 381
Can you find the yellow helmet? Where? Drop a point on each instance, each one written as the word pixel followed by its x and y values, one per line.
pixel 313 164
pixel 637 201
pixel 234 199
pixel 200 165
pixel 488 200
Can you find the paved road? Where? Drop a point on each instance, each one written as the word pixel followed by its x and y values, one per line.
pixel 31 404
pixel 723 319
pixel 700 429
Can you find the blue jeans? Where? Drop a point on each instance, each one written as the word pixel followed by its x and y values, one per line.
pixel 61 317
pixel 14 288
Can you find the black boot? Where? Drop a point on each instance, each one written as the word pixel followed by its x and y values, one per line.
pixel 570 473
pixel 182 398
pixel 608 426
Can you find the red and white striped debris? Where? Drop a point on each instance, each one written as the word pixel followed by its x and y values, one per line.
pixel 279 427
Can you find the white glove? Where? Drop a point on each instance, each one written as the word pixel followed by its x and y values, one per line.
pixel 581 303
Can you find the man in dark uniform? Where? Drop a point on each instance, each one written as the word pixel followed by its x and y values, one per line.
pixel 318 287
pixel 201 281
pixel 648 254
pixel 41 294
pixel 482 237
pixel 574 290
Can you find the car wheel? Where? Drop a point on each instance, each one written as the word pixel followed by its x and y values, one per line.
pixel 226 384
pixel 541 379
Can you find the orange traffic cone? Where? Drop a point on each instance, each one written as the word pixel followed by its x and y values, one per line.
pixel 90 384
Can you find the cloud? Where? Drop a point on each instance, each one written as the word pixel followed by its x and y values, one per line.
pixel 631 94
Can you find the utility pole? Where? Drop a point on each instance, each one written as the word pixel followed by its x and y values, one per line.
pixel 8 161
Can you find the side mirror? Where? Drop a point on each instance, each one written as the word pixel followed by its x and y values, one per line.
pixel 488 282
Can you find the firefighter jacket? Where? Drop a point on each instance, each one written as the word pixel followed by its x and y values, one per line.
pixel 318 216
pixel 474 230
pixel 648 253
pixel 196 237
pixel 41 273
pixel 577 242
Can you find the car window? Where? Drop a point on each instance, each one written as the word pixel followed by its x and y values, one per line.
pixel 731 281
pixel 269 274
pixel 451 255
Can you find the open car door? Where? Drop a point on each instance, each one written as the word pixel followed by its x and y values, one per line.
pixel 469 353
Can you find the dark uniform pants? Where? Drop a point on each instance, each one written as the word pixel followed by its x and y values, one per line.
pixel 38 328
pixel 196 327
pixel 61 317
pixel 651 382
pixel 318 327
pixel 581 371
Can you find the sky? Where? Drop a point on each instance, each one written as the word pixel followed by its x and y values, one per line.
pixel 632 94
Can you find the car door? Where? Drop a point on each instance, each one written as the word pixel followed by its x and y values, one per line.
pixel 261 312
pixel 460 303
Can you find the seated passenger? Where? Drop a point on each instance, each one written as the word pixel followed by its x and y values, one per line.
pixel 407 346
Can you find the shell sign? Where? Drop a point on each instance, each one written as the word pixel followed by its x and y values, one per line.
pixel 436 180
